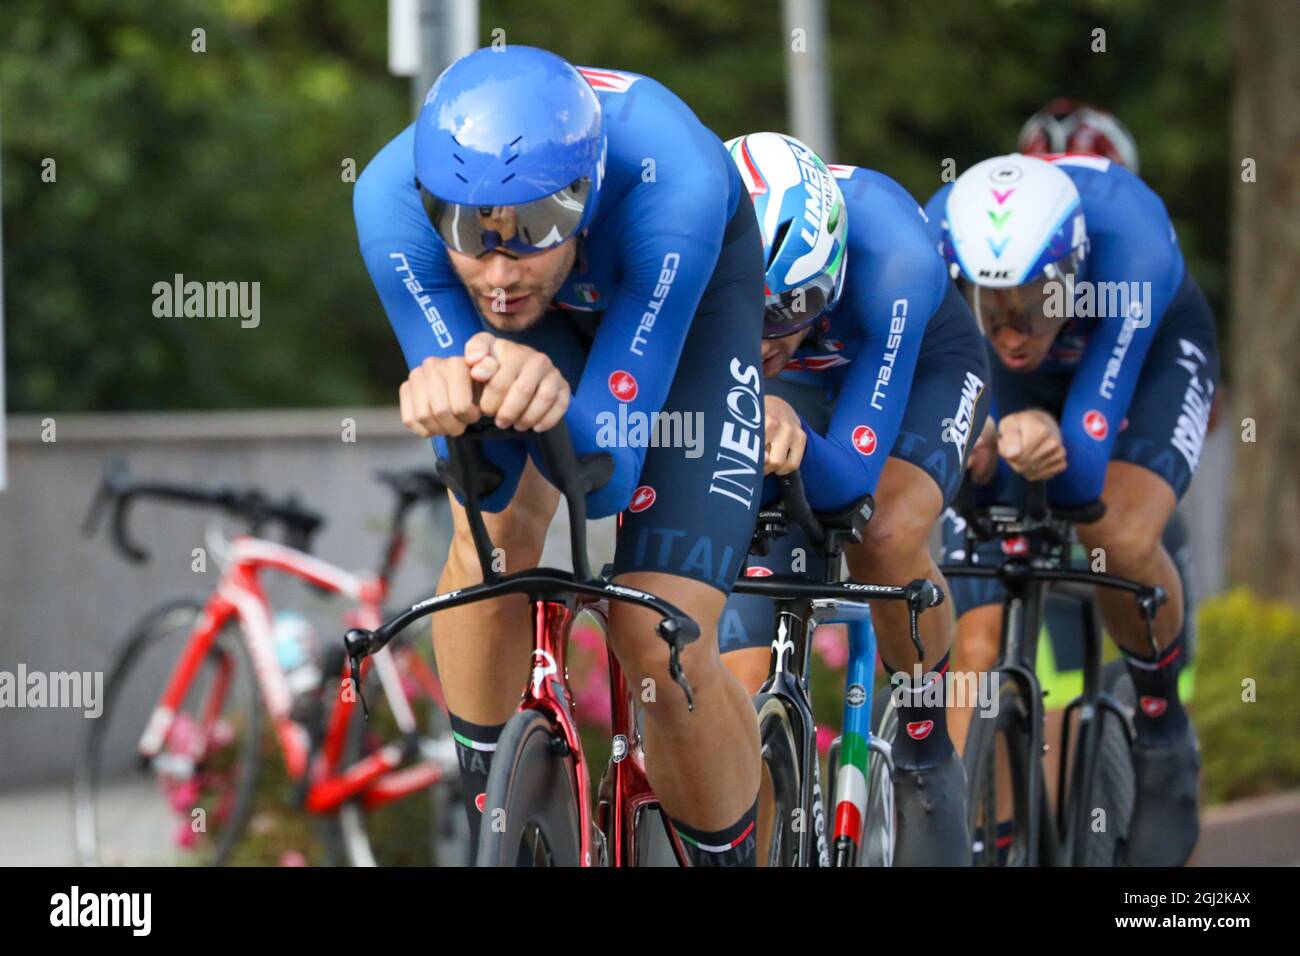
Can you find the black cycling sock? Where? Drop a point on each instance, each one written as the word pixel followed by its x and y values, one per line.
pixel 922 739
pixel 1160 717
pixel 475 745
pixel 733 846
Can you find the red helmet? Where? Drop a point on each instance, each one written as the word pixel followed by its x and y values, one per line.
pixel 1068 126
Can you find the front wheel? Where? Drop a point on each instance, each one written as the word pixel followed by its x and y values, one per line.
pixel 997 760
pixel 781 823
pixel 530 810
pixel 1101 817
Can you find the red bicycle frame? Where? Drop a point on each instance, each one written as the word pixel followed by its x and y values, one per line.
pixel 625 791
pixel 378 777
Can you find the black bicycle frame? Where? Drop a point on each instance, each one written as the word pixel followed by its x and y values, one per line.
pixel 1026 579
pixel 801 606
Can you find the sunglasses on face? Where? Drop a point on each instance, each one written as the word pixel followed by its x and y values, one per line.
pixel 521 230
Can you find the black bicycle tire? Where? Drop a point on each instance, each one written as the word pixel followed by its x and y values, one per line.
pixel 530 784
pixel 653 842
pixel 1114 779
pixel 779 752
pixel 85 775
pixel 979 759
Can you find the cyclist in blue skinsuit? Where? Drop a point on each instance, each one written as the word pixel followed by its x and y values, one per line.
pixel 1104 364
pixel 1061 126
pixel 555 243
pixel 876 383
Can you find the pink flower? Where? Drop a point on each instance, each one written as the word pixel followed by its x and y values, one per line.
pixel 825 736
pixel 832 643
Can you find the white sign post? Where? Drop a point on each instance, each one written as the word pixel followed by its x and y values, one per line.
pixel 404 37
pixel 427 36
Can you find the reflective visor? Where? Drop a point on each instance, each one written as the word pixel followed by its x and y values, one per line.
pixel 796 309
pixel 524 229
pixel 1034 308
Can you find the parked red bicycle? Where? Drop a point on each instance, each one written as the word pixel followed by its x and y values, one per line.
pixel 538 807
pixel 169 776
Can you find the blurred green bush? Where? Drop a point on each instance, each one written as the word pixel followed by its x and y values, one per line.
pixel 1247 707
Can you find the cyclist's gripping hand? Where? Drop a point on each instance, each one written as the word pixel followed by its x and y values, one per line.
pixel 438 397
pixel 520 387
pixel 784 438
pixel 1030 441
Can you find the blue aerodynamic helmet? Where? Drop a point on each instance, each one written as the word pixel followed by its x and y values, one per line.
pixel 509 151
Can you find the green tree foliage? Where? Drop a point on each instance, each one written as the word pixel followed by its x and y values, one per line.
pixel 226 165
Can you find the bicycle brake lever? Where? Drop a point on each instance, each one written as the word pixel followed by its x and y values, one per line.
pixel 920 594
pixel 912 616
pixel 1149 603
pixel 677 632
pixel 679 676
pixel 355 677
pixel 357 644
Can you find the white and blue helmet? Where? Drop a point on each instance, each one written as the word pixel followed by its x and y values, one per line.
pixel 804 224
pixel 1013 220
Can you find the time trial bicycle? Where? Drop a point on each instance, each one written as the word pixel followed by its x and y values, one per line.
pixel 1010 817
pixel 792 821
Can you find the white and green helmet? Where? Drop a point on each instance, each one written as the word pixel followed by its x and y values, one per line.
pixel 804 224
